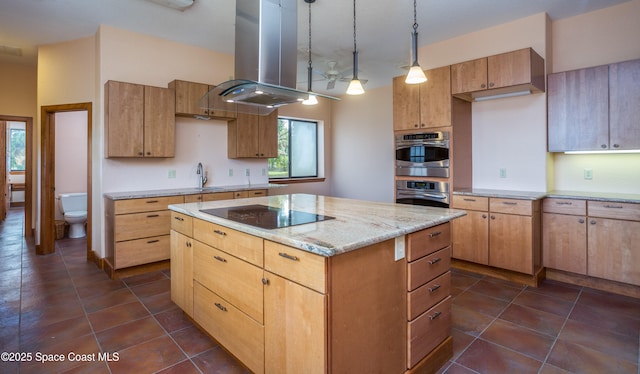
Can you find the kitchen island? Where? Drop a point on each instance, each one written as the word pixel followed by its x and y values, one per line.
pixel 366 289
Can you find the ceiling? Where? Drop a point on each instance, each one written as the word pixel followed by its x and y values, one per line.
pixel 383 30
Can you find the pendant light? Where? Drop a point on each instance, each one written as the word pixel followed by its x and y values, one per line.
pixel 355 86
pixel 311 99
pixel 416 74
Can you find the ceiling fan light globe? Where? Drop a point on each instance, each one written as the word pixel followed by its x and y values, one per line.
pixel 355 87
pixel 415 75
pixel 311 100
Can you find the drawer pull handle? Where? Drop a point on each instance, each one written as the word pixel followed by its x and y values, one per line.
pixel 435 261
pixel 151 201
pixel 434 234
pixel 188 244
pixel 509 203
pixel 468 199
pixel 435 315
pixel 564 203
pixel 220 232
pixel 614 206
pixel 288 256
pixel 221 307
pixel 434 288
pixel 153 241
pixel 153 215
pixel 179 218
pixel 220 258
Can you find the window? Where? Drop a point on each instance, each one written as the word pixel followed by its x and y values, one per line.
pixel 297 150
pixel 17 147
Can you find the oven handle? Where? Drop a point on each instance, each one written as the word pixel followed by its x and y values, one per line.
pixel 434 143
pixel 401 194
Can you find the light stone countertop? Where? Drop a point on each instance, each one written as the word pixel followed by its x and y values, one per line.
pixel 357 223
pixel 531 195
pixel 508 194
pixel 187 191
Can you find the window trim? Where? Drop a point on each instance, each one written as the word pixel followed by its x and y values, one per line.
pixel 16 171
pixel 305 179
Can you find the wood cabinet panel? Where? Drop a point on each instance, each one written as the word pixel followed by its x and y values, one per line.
pixel 429 267
pixel 470 202
pixel 151 204
pixel 295 327
pixel 578 110
pixel 565 206
pixel 614 210
pixel 124 119
pixel 142 225
pixel 244 246
pixel 237 332
pixel 437 322
pixel 217 196
pixel 511 239
pixel 613 250
pixel 509 69
pixel 159 122
pixel 406 105
pixel 564 242
pixel 427 241
pixel 182 271
pixel 188 98
pixel 428 295
pixel 182 223
pixel 511 206
pixel 253 136
pixel 469 76
pixel 142 251
pixel 471 237
pixel 236 281
pixel 300 266
pixel 624 105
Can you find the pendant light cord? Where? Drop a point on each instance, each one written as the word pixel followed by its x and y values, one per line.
pixel 309 34
pixel 415 17
pixel 354 26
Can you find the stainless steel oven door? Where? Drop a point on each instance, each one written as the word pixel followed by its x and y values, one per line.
pixel 423 155
pixel 426 193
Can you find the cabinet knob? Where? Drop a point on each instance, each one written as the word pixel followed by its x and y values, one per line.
pixel 491 84
pixel 483 85
pixel 265 281
pixel 484 216
pixel 416 125
pixel 593 222
pixel 493 217
pixel 140 154
pixel 616 146
pixel 581 220
pixel 603 146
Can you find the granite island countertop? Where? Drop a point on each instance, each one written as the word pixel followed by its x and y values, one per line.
pixel 357 223
pixel 187 191
pixel 533 195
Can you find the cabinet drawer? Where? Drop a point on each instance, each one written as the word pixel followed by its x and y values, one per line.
pixel 302 267
pixel 182 223
pixel 427 241
pixel 427 268
pixel 146 205
pixel 470 202
pixel 511 206
pixel 217 196
pixel 428 330
pixel 426 296
pixel 142 225
pixel 255 193
pixel 234 280
pixel 236 243
pixel 604 209
pixel 565 206
pixel 142 251
pixel 237 332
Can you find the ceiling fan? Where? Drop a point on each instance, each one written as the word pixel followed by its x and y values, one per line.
pixel 332 74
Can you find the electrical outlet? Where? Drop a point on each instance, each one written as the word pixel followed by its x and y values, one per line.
pixel 503 172
pixel 172 174
pixel 588 174
pixel 247 172
pixel 231 172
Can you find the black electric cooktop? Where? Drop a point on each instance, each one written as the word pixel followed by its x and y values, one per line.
pixel 266 217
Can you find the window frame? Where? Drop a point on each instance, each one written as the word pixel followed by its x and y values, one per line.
pixel 10 158
pixel 298 179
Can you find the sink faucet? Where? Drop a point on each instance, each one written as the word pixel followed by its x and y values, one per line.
pixel 202 179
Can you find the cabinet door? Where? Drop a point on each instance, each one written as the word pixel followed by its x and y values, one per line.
pixel 564 242
pixel 471 237
pixel 578 110
pixel 613 250
pixel 435 98
pixel 220 108
pixel 511 242
pixel 188 95
pixel 159 122
pixel 268 135
pixel 294 327
pixel 624 105
pixel 469 76
pixel 509 69
pixel 247 141
pixel 406 105
pixel 124 119
pixel 182 271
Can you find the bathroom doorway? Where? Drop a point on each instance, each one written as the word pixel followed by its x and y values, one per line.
pixel 48 206
pixel 25 181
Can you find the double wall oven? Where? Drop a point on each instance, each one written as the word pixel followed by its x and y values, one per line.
pixel 420 159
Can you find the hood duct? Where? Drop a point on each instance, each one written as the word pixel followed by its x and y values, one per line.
pixel 265 58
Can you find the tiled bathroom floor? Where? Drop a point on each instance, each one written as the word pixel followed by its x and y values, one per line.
pixel 61 304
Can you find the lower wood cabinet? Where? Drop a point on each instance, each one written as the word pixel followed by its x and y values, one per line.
pixel 182 264
pixel 564 235
pixel 502 233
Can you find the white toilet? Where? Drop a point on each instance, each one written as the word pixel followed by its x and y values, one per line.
pixel 74 208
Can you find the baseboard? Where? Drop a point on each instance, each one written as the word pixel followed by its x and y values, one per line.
pixel 533 280
pixel 595 283
pixel 133 270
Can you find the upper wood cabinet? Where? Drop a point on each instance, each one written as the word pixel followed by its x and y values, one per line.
pixel 190 103
pixel 423 105
pixel 251 135
pixel 505 73
pixel 596 108
pixel 139 120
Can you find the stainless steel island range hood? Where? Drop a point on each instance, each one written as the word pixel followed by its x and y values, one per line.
pixel 265 57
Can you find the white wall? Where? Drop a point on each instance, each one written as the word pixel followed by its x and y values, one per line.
pixel 70 154
pixel 597 38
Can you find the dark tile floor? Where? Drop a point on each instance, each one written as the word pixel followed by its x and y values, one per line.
pixel 61 304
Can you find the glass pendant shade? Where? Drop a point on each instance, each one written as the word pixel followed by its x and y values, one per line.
pixel 416 75
pixel 355 87
pixel 311 100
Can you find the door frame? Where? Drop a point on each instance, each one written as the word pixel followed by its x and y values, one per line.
pixel 47 175
pixel 28 172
